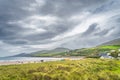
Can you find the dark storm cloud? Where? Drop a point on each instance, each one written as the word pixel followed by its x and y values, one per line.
pixel 16 42
pixel 7 32
pixel 41 36
pixel 90 30
pixel 11 10
pixel 61 27
pixel 105 7
pixel 66 8
pixel 103 32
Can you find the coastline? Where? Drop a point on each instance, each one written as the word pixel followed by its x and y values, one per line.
pixel 15 62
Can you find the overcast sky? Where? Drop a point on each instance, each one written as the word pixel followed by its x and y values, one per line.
pixel 32 25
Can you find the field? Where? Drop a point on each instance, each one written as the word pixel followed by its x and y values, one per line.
pixel 110 47
pixel 86 69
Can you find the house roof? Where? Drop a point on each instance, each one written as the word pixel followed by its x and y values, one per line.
pixel 106 56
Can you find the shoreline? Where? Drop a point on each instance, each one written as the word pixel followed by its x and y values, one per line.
pixel 15 62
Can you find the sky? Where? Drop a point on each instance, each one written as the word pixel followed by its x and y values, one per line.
pixel 32 25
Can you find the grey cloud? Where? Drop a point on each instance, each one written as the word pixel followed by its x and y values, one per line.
pixel 10 31
pixel 114 26
pixel 41 36
pixel 61 27
pixel 105 7
pixel 116 32
pixel 103 32
pixel 118 20
pixel 90 30
pixel 11 10
pixel 66 8
pixel 16 42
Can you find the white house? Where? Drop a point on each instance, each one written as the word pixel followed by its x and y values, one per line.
pixel 106 56
pixel 119 55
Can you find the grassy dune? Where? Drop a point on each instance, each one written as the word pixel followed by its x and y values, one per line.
pixel 87 69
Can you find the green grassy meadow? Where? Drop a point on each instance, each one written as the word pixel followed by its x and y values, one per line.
pixel 86 69
pixel 110 47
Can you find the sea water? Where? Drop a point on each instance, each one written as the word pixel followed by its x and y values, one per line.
pixel 28 59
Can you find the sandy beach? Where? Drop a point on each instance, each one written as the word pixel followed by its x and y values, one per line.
pixel 15 62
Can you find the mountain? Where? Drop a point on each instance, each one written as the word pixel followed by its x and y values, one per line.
pixel 59 52
pixel 21 55
pixel 44 53
pixel 56 50
pixel 95 51
pixel 112 42
pixel 48 53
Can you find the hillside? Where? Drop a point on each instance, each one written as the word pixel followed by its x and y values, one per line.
pixel 94 52
pixel 112 42
pixel 62 52
pixel 49 53
pixel 44 53
pixel 20 55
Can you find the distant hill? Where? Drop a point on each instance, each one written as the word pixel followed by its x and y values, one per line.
pixel 49 53
pixel 95 51
pixel 113 42
pixel 44 53
pixel 56 50
pixel 21 55
pixel 88 52
pixel 59 52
